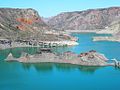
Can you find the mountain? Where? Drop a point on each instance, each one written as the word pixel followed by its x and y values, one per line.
pixel 114 28
pixel 20 21
pixel 46 19
pixel 85 20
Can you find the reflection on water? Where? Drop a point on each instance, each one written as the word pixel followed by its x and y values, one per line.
pixel 18 52
pixel 68 67
pixel 117 68
pixel 47 67
pixel 42 67
pixel 31 50
pixel 4 54
pixel 88 69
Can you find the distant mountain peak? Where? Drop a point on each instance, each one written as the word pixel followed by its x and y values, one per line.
pixel 88 19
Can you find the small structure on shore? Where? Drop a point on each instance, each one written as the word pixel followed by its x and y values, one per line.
pixel 116 62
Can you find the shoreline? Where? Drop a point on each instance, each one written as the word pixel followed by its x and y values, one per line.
pixel 82 31
pixel 98 38
pixel 44 44
pixel 112 64
pixel 66 42
pixel 106 38
pixel 90 58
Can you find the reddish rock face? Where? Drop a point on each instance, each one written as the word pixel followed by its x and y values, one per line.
pixel 21 19
pixel 82 20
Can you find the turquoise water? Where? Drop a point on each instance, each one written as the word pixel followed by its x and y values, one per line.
pixel 110 49
pixel 50 76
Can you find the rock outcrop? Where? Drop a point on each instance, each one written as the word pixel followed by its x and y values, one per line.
pixel 85 20
pixel 91 58
pixel 17 21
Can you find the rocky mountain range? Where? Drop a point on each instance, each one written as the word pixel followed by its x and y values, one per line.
pixel 27 22
pixel 85 20
pixel 20 21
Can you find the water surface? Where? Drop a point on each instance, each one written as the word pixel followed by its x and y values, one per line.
pixel 51 76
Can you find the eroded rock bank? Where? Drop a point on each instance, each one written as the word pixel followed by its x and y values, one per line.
pixel 103 38
pixel 91 58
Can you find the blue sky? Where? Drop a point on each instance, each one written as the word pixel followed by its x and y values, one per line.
pixel 49 8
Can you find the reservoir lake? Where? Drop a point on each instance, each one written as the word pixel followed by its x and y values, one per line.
pixel 51 76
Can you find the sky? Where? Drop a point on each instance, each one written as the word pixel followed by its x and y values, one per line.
pixel 48 8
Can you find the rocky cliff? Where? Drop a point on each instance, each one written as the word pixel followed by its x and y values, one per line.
pixel 114 27
pixel 17 21
pixel 85 20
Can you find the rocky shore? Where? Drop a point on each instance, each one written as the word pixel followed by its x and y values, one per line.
pixel 113 29
pixel 82 31
pixel 91 58
pixel 105 38
pixel 38 44
pixel 48 39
